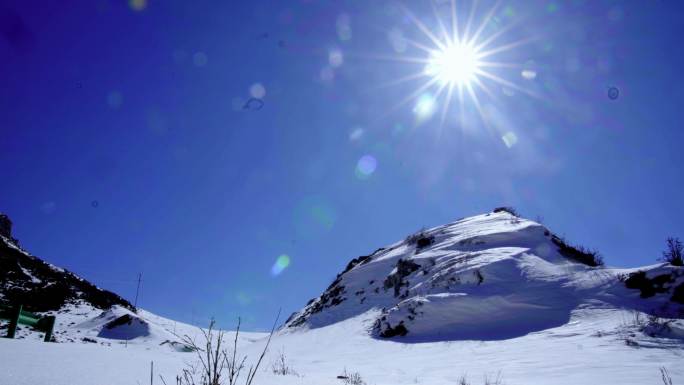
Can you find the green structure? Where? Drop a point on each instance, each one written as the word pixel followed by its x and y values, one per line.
pixel 17 316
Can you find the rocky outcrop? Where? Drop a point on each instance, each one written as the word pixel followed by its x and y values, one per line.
pixel 5 226
pixel 40 286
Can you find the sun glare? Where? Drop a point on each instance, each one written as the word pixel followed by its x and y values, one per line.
pixel 459 60
pixel 456 64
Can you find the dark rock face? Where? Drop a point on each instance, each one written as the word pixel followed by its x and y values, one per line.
pixel 5 226
pixel 40 287
pixel 384 329
pixel 123 320
pixel 425 242
pixel 333 295
pixel 648 286
pixel 389 332
pixel 420 239
pixel 396 280
pixel 660 284
pixel 678 294
pixel 357 261
pixel 125 328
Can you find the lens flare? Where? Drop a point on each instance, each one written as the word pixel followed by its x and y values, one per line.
pixel 200 59
pixel 243 298
pixel 344 31
pixel 313 217
pixel 335 58
pixel 510 139
pixel 356 134
pixel 366 166
pixel 528 74
pixel 257 91
pixel 425 106
pixel 114 99
pixel 137 5
pixel 281 263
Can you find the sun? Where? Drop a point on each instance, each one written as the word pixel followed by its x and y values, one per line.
pixel 459 61
pixel 455 64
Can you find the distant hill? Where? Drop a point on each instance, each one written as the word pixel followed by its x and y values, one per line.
pixel 39 286
pixel 84 312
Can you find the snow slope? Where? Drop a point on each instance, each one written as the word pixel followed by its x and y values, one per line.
pixel 81 323
pixel 41 287
pixel 590 349
pixel 489 277
pixel 487 295
pixel 85 313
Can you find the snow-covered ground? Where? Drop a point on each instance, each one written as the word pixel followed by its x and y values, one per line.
pixel 590 349
pixel 487 296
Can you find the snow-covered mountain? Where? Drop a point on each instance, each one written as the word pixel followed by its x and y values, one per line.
pixel 42 287
pixel 489 277
pixel 489 295
pixel 84 312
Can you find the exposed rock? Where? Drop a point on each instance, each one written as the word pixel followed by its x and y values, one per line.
pixel 678 294
pixel 40 286
pixel 396 280
pixel 648 286
pixel 5 226
pixel 389 332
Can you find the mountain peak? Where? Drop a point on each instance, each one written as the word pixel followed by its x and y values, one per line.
pixel 490 276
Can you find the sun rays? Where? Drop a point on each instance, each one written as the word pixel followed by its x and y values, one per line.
pixel 459 60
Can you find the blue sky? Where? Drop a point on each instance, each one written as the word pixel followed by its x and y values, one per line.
pixel 125 146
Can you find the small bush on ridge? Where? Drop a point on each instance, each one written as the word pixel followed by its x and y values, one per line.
pixel 421 239
pixel 673 254
pixel 507 209
pixel 578 253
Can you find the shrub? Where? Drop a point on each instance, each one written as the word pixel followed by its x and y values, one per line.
pixel 507 209
pixel 648 286
pixel 488 380
pixel 217 365
pixel 678 294
pixel 673 254
pixel 580 254
pixel 351 378
pixel 280 366
pixel 657 327
pixel 421 239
